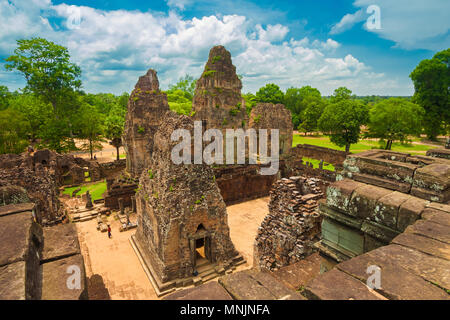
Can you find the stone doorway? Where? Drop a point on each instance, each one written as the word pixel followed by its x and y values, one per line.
pixel 201 248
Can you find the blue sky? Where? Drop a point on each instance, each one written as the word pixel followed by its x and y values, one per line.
pixel 322 43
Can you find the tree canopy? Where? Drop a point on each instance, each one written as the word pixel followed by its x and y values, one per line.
pixel 394 120
pixel 342 119
pixel 431 80
pixel 270 93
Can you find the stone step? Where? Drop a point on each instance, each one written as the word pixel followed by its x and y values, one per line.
pixel 206 268
pixel 210 277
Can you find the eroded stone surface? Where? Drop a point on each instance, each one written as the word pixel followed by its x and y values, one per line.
pixel 292 226
pixel 55 279
pixel 146 108
pixel 60 241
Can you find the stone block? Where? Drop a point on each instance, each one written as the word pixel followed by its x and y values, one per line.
pixel 386 211
pixel 409 212
pixel 337 285
pixel 436 216
pixel 55 279
pixel 365 199
pixel 339 193
pixel 430 268
pixel 60 241
pixel 396 283
pixel 423 244
pixel 208 291
pixel 431 230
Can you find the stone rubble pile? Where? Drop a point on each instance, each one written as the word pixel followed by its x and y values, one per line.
pixel 292 226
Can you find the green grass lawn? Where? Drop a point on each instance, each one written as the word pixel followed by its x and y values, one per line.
pixel 122 156
pixel 363 145
pixel 315 163
pixel 96 190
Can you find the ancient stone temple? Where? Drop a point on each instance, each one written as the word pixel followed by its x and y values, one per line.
pixel 182 218
pixel 274 116
pixel 217 101
pixel 379 195
pixel 146 106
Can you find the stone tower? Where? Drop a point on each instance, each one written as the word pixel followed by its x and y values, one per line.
pixel 145 107
pixel 273 116
pixel 182 218
pixel 217 100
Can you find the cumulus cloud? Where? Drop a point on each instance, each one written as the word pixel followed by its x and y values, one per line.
pixel 410 24
pixel 348 21
pixel 114 48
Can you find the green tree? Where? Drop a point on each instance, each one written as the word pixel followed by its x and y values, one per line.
pixel 311 114
pixel 342 121
pixel 431 80
pixel 186 84
pixel 90 123
pixel 54 79
pixel 250 102
pixel 114 126
pixel 34 111
pixel 395 119
pixel 270 93
pixel 341 93
pixel 13 132
pixel 5 95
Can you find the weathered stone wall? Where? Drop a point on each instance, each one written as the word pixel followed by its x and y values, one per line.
pixel 332 156
pixel 439 153
pixel 176 203
pixel 242 183
pixel 388 192
pixel 120 188
pixel 425 177
pixel 41 174
pixel 146 107
pixel 273 116
pixel 288 232
pixel 111 170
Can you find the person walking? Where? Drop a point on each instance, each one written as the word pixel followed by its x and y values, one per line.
pixel 109 231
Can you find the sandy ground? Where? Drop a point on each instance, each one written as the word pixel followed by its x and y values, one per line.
pixel 107 154
pixel 120 270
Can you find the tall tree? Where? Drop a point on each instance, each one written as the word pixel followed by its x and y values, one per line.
pixel 13 132
pixel 90 124
pixel 431 80
pixel 5 95
pixel 395 119
pixel 54 79
pixel 298 99
pixel 311 114
pixel 270 93
pixel 342 119
pixel 114 126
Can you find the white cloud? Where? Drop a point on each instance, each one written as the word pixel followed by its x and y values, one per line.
pixel 272 33
pixel 410 24
pixel 114 48
pixel 348 21
pixel 178 4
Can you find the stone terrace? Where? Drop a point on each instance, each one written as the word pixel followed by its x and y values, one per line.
pixel 34 260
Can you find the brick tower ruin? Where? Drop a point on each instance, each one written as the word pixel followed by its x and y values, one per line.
pixel 217 101
pixel 145 107
pixel 182 218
